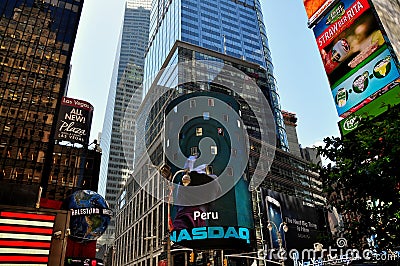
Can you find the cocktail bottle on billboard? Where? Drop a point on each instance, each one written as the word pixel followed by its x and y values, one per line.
pixel 336 55
pixel 340 50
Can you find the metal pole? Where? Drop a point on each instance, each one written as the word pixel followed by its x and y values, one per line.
pixel 169 261
pixel 186 264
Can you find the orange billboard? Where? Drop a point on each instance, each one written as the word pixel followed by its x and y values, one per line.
pixel 312 6
pixel 315 8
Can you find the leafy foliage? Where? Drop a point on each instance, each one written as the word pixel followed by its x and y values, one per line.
pixel 363 183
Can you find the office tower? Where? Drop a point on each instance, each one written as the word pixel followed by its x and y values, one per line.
pixel 231 28
pixel 37 39
pixel 127 77
pixel 232 34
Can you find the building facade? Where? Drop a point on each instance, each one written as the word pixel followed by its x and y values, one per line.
pixel 127 79
pixel 141 217
pixel 37 38
pixel 232 28
pixel 231 33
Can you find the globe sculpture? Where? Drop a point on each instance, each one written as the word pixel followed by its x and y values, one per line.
pixel 90 215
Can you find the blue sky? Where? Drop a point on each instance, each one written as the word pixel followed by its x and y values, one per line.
pixel 302 82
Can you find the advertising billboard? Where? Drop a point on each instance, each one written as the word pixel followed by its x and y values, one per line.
pixel 347 36
pixel 203 129
pixel 375 107
pixel 25 237
pixel 368 79
pixel 31 236
pixel 389 15
pixel 83 262
pixel 304 221
pixel 74 121
pixel 315 8
pixel 357 57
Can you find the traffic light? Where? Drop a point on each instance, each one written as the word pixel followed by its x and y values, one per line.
pixel 191 258
pixel 225 262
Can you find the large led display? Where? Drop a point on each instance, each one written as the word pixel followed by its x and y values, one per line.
pixel 375 105
pixel 346 37
pixel 358 58
pixel 367 80
pixel 303 219
pixel 200 126
pixel 25 238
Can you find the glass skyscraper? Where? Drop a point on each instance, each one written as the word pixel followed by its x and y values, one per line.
pixel 36 43
pixel 226 31
pixel 126 80
pixel 234 28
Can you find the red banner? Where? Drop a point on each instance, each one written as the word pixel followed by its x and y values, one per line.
pixel 347 19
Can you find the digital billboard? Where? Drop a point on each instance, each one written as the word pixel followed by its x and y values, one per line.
pixel 304 220
pixel 74 121
pixel 203 129
pixel 375 106
pixel 368 79
pixel 357 57
pixel 347 36
pixel 25 238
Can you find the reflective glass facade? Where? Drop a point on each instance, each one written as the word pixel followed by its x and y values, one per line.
pixel 36 42
pixel 140 215
pixel 234 28
pixel 126 80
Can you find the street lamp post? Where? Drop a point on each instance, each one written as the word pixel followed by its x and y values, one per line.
pixel 285 228
pixel 185 181
pixel 165 172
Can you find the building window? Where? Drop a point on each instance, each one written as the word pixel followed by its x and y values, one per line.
pixel 192 103
pixel 185 118
pixel 206 115
pixel 225 117
pixel 199 131
pixel 229 171
pixel 210 102
pixel 209 170
pixel 193 151
pixel 214 149
pixel 234 152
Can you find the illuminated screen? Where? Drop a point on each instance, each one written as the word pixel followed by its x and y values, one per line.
pixel 25 238
pixel 225 221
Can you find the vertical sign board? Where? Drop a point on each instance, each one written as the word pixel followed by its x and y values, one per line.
pixel 226 220
pixel 74 121
pixel 304 221
pixel 374 78
pixel 357 58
